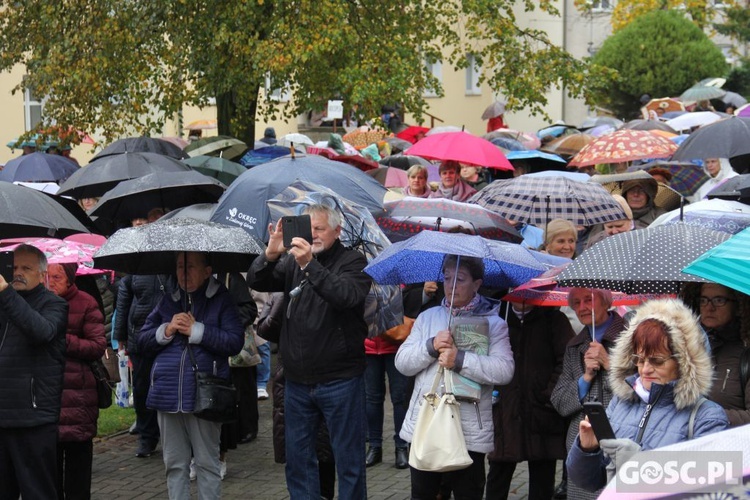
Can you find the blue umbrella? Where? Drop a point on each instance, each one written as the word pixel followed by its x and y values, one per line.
pixel 256 157
pixel 536 160
pixel 244 202
pixel 727 264
pixel 38 167
pixel 420 258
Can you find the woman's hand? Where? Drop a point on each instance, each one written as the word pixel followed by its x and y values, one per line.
pixel 443 340
pixel 447 358
pixel 181 323
pixel 589 443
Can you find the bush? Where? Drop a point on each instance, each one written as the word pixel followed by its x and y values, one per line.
pixel 739 79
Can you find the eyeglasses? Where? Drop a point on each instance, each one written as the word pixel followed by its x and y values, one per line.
pixel 716 301
pixel 655 361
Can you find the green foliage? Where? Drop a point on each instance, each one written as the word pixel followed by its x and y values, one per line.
pixel 660 53
pixel 125 67
pixel 739 79
pixel 114 419
pixel 736 23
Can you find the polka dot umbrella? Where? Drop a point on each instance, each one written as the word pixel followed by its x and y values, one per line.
pixel 642 261
pixel 624 145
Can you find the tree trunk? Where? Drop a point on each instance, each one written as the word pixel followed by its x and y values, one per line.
pixel 236 118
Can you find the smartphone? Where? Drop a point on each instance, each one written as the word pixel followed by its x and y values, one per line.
pixel 599 420
pixel 6 266
pixel 296 226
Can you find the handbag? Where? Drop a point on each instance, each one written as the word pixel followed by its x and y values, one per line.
pixel 112 365
pixel 438 443
pixel 399 333
pixel 215 397
pixel 249 355
pixel 103 387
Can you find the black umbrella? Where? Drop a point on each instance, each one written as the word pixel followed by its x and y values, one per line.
pixel 27 212
pixel 199 211
pixel 649 125
pixel 398 145
pixel 642 261
pixel 152 248
pixel 725 138
pixel 134 198
pixel 142 145
pixel 735 189
pixel 404 162
pixel 38 167
pixel 101 175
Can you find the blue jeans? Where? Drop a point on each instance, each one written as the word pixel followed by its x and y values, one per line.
pixel 341 403
pixel 378 366
pixel 264 368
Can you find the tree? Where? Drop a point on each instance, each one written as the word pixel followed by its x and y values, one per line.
pixel 660 53
pixel 626 11
pixel 123 67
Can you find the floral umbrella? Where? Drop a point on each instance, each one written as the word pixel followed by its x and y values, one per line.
pixel 624 145
pixel 64 252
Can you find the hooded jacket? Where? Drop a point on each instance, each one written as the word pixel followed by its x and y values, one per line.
pixel 726 172
pixel 670 404
pixel 137 296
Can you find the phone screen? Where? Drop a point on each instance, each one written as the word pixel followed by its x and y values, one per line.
pixel 599 420
pixel 296 226
pixel 6 265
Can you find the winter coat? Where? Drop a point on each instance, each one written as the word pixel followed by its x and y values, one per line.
pixel 726 172
pixel 323 331
pixel 380 345
pixel 527 426
pixel 417 356
pixel 85 342
pixel 216 335
pixel 137 296
pixel 32 356
pixel 726 350
pixel 671 404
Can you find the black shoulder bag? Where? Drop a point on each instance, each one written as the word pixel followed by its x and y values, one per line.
pixel 215 397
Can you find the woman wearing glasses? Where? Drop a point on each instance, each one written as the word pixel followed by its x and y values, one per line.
pixel 725 317
pixel 660 374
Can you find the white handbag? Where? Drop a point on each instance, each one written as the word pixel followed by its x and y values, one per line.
pixel 438 443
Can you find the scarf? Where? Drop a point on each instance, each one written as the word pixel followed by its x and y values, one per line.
pixel 458 310
pixel 427 192
pixel 641 391
pixel 459 192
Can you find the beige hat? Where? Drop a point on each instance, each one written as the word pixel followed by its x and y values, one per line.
pixel 624 204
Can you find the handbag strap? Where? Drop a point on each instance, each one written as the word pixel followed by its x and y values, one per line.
pixel 436 381
pixel 192 358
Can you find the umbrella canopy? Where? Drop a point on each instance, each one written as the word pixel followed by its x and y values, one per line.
pixel 727 264
pixel 244 202
pixel 661 106
pixel 141 145
pixel 445 129
pixel 535 160
pixel 38 167
pixel 403 161
pixel 201 125
pixel 101 175
pixel 291 140
pixel 557 131
pixel 404 218
pixel 595 121
pixel 723 139
pixel 199 211
pixel 743 111
pixel 461 147
pixel 733 99
pixel 642 261
pixel 27 212
pixel 506 144
pixel 420 258
pixel 734 189
pixel 254 157
pixel 687 121
pixel 720 215
pixel 624 145
pixel 221 169
pixel 568 145
pixel 66 251
pixel 398 145
pixel 413 133
pixel 151 248
pixel 497 108
pixel 389 176
pixel 686 177
pixel 220 145
pixel 702 93
pixel 537 200
pixel 359 161
pixel 135 198
pixel 666 197
pixel 363 136
pixel 649 125
pixel 529 141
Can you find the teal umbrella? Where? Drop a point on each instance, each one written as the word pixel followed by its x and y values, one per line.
pixel 224 170
pixel 727 264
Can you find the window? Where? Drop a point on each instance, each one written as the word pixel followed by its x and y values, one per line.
pixel 602 5
pixel 32 108
pixel 277 94
pixel 435 68
pixel 472 76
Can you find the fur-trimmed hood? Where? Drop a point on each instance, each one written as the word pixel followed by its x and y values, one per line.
pixel 689 344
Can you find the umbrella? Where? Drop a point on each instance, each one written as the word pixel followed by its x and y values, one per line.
pixel 538 200
pixel 363 137
pixel 529 141
pixel 244 202
pixel 727 264
pixel 624 145
pixel 568 145
pixel 201 125
pixel 420 258
pixel 359 161
pixel 44 187
pixel 600 130
pixel 661 106
pixel 461 147
pixel 567 174
pixel 734 189
pixel 199 211
pixel 412 133
pixel 389 176
pixel 557 131
pixel 720 215
pixel 733 99
pixel 695 119
pixel 403 161
pixel 702 93
pixel 177 141
pixel 397 145
pixel 134 198
pixel 445 129
pixel 536 160
pixel 666 197
pixel 38 167
pixel 646 260
pixel 221 169
pixel 404 218
pixel 723 139
pixel 66 251
pixel 101 175
pixel 649 125
pixel 497 108
pixel 686 177
pixel 27 212
pixel 507 144
pixel 255 157
pixel 595 121
pixel 220 145
pixel 743 111
pixel 290 140
pixel 141 145
pixel 150 248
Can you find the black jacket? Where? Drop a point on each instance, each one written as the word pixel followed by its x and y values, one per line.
pixel 32 356
pixel 137 296
pixel 322 337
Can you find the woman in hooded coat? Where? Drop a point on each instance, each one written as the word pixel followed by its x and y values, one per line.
pixel 718 171
pixel 640 195
pixel 660 374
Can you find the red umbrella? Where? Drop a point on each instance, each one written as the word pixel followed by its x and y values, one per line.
pixel 624 145
pixel 461 147
pixel 412 133
pixel 362 163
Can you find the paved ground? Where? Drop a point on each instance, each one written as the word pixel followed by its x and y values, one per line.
pixel 252 473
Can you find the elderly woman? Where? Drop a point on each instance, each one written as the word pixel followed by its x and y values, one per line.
pixel 417 187
pixel 560 238
pixel 614 227
pixel 451 185
pixel 660 375
pixel 718 171
pixel 640 195
pixel 431 346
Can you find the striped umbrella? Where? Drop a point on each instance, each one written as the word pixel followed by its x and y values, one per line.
pixel 727 264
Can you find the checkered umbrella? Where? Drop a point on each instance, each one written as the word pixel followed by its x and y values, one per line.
pixel 538 200
pixel 687 177
pixel 642 261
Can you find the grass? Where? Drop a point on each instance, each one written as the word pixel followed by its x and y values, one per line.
pixel 115 419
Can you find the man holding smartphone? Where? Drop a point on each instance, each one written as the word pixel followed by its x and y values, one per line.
pixel 322 347
pixel 33 322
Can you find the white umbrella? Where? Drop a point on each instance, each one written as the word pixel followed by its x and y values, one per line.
pixel 446 128
pixel 296 139
pixel 695 119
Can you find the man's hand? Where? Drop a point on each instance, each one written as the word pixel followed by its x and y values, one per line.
pixel 275 248
pixel 597 351
pixel 302 251
pixel 181 323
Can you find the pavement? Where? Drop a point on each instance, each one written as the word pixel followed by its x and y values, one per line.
pixel 251 471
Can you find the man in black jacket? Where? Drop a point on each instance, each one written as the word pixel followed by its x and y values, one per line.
pixel 33 321
pixel 322 348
